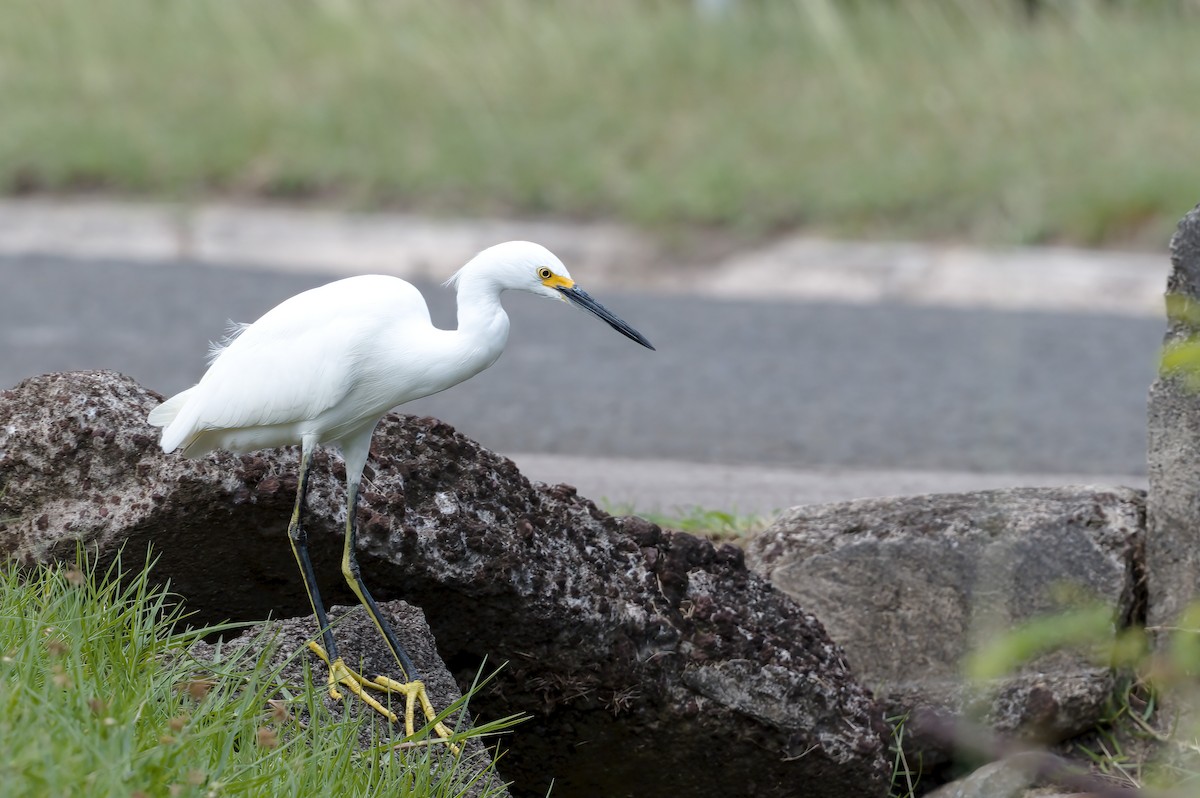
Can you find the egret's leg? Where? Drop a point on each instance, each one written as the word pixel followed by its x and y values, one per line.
pixel 298 536
pixel 413 689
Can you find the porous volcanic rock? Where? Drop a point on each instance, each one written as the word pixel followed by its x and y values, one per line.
pixel 911 586
pixel 651 662
pixel 1173 450
pixel 363 649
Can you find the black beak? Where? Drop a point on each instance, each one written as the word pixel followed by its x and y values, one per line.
pixel 582 299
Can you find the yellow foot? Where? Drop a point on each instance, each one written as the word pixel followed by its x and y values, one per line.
pixel 413 692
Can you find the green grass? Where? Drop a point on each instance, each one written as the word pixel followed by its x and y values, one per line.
pixel 99 697
pixel 906 777
pixel 940 119
pixel 720 526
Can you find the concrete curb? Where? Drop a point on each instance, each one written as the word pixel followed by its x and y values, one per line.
pixel 801 268
pixel 285 239
pixel 672 487
pixel 1036 278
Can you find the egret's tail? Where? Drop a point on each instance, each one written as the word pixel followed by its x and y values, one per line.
pixel 164 416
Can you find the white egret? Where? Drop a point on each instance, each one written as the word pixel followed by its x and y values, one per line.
pixel 324 367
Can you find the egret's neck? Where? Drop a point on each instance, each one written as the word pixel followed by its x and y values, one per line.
pixel 482 322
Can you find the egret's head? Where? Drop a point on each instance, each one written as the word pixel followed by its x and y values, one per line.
pixel 525 266
pixel 519 265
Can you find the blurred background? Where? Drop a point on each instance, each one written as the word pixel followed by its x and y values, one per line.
pixel 699 131
pixel 970 119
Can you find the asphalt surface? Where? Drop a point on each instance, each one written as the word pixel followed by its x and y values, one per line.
pixel 815 386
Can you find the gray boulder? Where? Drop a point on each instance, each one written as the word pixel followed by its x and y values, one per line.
pixel 651 663
pixel 1173 461
pixel 469 774
pixel 1005 778
pixel 910 586
pixel 1173 456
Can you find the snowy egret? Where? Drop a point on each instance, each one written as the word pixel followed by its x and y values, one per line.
pixel 324 367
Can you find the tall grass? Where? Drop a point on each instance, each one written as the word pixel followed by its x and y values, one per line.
pixel 99 697
pixel 938 119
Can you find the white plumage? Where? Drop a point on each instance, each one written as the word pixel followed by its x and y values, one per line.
pixel 322 364
pixel 328 363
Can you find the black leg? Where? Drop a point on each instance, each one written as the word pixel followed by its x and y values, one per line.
pixel 299 540
pixel 413 689
pixel 354 579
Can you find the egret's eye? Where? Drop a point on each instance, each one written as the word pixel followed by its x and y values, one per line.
pixel 544 273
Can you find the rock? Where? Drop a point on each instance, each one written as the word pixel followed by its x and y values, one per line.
pixel 1015 776
pixel 1173 500
pixel 910 586
pixel 1173 455
pixel 1007 778
pixel 651 662
pixel 363 648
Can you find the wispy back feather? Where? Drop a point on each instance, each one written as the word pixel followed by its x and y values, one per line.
pixel 232 330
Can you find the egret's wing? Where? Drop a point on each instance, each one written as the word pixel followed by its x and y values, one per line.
pixel 254 386
pixel 263 380
pixel 302 358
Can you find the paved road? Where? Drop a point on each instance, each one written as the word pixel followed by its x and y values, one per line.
pixel 811 386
